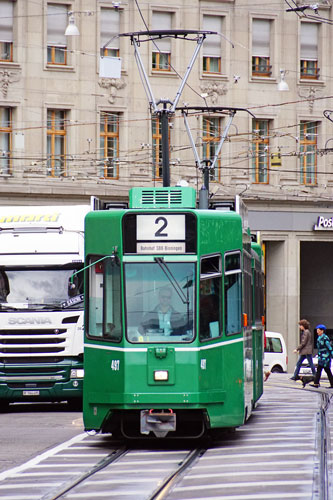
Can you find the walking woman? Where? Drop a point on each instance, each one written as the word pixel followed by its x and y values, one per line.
pixel 305 348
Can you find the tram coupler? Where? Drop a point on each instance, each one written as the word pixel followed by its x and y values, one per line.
pixel 160 422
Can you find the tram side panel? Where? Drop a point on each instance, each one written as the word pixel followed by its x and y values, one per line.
pixel 221 363
pixel 104 356
pixel 258 316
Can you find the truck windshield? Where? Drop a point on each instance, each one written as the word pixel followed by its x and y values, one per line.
pixel 40 288
pixel 159 301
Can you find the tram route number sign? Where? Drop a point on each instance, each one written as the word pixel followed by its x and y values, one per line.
pixel 160 233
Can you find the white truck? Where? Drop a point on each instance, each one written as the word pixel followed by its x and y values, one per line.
pixel 41 303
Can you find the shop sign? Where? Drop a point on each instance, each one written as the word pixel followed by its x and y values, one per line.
pixel 324 224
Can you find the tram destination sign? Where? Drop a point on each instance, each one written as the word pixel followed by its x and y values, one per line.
pixel 160 233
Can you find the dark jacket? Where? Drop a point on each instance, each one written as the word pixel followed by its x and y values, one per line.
pixel 151 322
pixel 306 345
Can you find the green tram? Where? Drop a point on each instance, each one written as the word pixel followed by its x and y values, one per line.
pixel 173 333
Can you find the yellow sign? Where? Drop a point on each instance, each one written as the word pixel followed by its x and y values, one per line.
pixel 30 218
pixel 276 160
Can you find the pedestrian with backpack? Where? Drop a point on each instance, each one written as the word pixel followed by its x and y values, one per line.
pixel 325 354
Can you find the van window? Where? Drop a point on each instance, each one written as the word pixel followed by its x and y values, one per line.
pixel 273 345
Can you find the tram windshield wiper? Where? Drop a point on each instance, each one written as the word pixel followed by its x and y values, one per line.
pixel 172 279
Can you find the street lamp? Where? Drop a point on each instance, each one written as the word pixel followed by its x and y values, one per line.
pixel 282 86
pixel 72 29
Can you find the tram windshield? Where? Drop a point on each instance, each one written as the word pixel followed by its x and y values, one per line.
pixel 160 301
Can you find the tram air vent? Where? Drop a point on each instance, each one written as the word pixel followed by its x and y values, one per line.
pixel 166 197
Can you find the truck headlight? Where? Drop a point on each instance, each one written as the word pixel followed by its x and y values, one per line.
pixel 77 373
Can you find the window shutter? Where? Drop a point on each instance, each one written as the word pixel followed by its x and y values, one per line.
pixel 309 41
pixel 6 21
pixel 57 20
pixel 212 43
pixel 261 29
pixel 110 22
pixel 162 21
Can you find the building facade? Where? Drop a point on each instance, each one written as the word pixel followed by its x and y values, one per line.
pixel 69 131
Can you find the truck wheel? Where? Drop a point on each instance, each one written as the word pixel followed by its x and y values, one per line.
pixel 4 405
pixel 74 404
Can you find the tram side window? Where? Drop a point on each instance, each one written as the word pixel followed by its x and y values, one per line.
pixel 104 312
pixel 112 309
pixel 247 287
pixel 258 295
pixel 232 293
pixel 95 315
pixel 210 297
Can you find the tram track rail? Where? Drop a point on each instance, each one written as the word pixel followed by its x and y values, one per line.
pixel 105 462
pixel 163 490
pixel 283 452
pixel 159 493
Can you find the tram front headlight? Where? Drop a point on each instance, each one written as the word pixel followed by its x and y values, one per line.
pixel 77 373
pixel 161 375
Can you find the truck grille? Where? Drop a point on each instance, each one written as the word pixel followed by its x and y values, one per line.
pixel 32 341
pixel 33 376
pixel 32 359
pixel 44 331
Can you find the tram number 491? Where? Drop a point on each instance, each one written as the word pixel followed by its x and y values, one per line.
pixel 115 363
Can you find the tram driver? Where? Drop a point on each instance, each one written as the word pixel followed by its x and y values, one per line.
pixel 163 319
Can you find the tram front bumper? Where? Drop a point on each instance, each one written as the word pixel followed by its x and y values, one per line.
pixel 127 400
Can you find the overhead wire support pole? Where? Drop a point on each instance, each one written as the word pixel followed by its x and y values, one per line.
pixel 164 115
pixel 206 164
pixel 143 75
pixel 165 112
pixel 189 133
pixel 222 139
pixel 200 41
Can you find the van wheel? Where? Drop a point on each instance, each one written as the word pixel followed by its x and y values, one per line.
pixel 276 369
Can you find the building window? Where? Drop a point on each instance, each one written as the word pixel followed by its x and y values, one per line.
pixel 309 51
pixel 109 145
pixel 161 53
pixel 5 140
pixel 260 150
pixel 6 31
pixel 212 45
pixel 157 148
pixel 308 147
pixel 57 20
pixel 211 138
pixel 56 142
pixel 110 19
pixel 261 35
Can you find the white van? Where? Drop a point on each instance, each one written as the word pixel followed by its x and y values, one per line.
pixel 275 357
